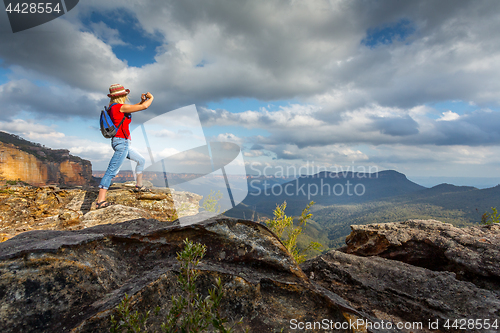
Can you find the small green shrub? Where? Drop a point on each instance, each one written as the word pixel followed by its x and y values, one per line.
pixel 211 202
pixel 283 223
pixel 131 322
pixel 16 182
pixel 191 313
pixel 6 191
pixel 488 218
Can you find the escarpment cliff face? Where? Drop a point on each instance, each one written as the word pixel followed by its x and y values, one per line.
pixel 72 281
pixel 37 165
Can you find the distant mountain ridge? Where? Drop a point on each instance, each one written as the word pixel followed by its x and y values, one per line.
pixel 468 199
pixel 389 197
pixel 329 188
pixel 445 187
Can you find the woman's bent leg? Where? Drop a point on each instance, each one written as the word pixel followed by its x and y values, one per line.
pixel 134 155
pixel 120 147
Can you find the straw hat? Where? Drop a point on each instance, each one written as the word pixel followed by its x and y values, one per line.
pixel 116 90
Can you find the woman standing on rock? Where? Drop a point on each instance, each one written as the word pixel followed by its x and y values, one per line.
pixel 118 110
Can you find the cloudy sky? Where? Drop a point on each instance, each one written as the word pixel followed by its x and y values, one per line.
pixel 406 85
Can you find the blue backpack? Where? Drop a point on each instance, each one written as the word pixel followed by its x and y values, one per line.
pixel 108 129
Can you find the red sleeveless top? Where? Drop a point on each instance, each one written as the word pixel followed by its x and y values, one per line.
pixel 117 116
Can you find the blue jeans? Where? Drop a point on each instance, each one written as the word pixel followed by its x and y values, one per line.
pixel 122 150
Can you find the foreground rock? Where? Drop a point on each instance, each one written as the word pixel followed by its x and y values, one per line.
pixel 71 281
pixel 401 293
pixel 471 253
pixel 26 208
pixel 162 203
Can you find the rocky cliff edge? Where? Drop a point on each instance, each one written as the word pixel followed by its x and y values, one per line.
pixel 27 208
pixel 71 281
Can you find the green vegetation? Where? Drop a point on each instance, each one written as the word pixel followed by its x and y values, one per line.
pixel 459 205
pixel 211 202
pixel 488 218
pixel 337 219
pixel 16 182
pixel 284 224
pixel 132 322
pixel 191 313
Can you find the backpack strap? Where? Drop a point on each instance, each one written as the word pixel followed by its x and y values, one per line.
pixel 121 122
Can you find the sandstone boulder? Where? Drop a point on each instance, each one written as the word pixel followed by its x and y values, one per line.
pixel 471 253
pixel 395 291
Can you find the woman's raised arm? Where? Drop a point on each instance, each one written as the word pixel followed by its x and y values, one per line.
pixel 142 105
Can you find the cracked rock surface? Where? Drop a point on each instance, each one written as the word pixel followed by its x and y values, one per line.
pixel 416 271
pixel 71 281
pixel 26 208
pixel 472 253
pixel 394 291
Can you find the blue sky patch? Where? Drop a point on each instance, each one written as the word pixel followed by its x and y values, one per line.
pixel 388 33
pixel 4 73
pixel 240 132
pixel 237 105
pixel 124 34
pixel 459 107
pixel 201 64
